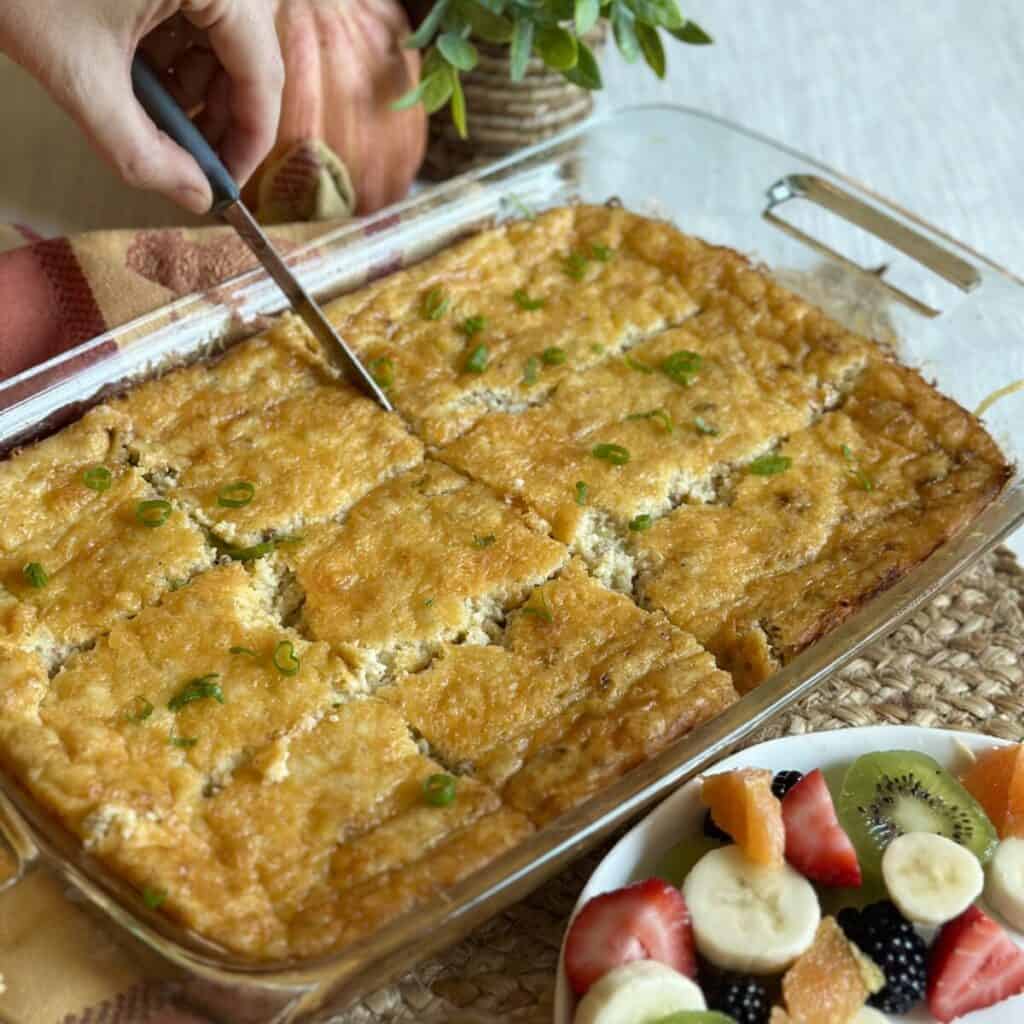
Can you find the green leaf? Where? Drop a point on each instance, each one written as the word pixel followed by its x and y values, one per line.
pixel 428 27
pixel 586 74
pixel 440 85
pixel 459 52
pixel 663 13
pixel 494 6
pixel 693 34
pixel 557 48
pixel 459 108
pixel 486 25
pixel 650 46
pixel 586 14
pixel 522 45
pixel 414 96
pixel 624 27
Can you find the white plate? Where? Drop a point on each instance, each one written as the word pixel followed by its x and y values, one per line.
pixel 637 854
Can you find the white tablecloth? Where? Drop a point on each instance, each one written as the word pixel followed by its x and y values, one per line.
pixel 921 100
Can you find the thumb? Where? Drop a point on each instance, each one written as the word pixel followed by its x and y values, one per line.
pixel 123 134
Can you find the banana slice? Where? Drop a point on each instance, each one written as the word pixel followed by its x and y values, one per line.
pixel 1005 886
pixel 930 878
pixel 750 918
pixel 641 990
pixel 869 1015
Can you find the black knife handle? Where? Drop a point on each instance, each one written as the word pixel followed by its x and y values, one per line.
pixel 170 118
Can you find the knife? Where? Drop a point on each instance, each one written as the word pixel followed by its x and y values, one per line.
pixel 228 205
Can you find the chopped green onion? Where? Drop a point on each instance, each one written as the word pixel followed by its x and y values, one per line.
pixel 523 301
pixel 203 688
pixel 439 790
pixel 601 252
pixel 540 610
pixel 581 492
pixel 97 478
pixel 530 371
pixel 682 366
pixel 476 361
pixel 154 898
pixel 176 583
pixel 248 554
pixel 383 370
pixel 429 601
pixel 770 465
pixel 436 304
pixel 640 523
pixel 138 709
pixel 473 325
pixel 184 742
pixel 484 542
pixel 554 356
pixel 153 513
pixel 597 348
pixel 864 482
pixel 243 650
pixel 286 661
pixel 576 265
pixel 613 453
pixel 703 427
pixel 658 415
pixel 635 364
pixel 236 495
pixel 36 575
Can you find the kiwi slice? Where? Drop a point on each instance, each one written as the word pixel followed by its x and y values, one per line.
pixel 885 795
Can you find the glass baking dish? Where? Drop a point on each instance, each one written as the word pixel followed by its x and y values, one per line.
pixel 947 309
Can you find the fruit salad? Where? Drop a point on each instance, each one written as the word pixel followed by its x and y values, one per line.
pixel 847 899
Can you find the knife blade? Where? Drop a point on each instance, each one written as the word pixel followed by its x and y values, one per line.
pixel 228 205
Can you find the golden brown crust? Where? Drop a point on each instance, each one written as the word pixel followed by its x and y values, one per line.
pixel 427 607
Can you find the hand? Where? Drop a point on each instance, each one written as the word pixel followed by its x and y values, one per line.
pixel 219 58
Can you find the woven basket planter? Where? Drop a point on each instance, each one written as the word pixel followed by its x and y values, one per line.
pixel 503 115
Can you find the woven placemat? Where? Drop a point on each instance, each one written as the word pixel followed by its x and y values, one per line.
pixel 956 664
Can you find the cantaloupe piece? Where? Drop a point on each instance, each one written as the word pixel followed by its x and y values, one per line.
pixel 742 803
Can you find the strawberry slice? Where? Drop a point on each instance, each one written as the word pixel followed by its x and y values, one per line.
pixel 973 964
pixel 816 844
pixel 644 921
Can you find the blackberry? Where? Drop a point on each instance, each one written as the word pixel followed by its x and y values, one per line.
pixel 881 932
pixel 712 831
pixel 784 782
pixel 741 997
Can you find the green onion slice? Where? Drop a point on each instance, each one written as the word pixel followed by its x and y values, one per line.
pixel 682 366
pixel 485 541
pixel 540 610
pixel 138 709
pixel 581 492
pixel 383 371
pixel 243 650
pixel 703 427
pixel 153 513
pixel 576 265
pixel 436 304
pixel 554 356
pixel 202 688
pixel 236 495
pixel 531 371
pixel 184 742
pixel 153 897
pixel 660 416
pixel 613 453
pixel 97 478
pixel 862 479
pixel 286 661
pixel 476 361
pixel 601 252
pixel 439 789
pixel 770 465
pixel 635 364
pixel 640 523
pixel 248 554
pixel 35 574
pixel 523 301
pixel 473 325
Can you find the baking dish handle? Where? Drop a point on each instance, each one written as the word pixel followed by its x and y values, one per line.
pixel 888 229
pixel 18 843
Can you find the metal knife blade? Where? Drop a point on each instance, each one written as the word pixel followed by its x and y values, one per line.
pixel 238 216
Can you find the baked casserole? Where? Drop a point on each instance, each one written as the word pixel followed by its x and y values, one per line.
pixel 291 665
